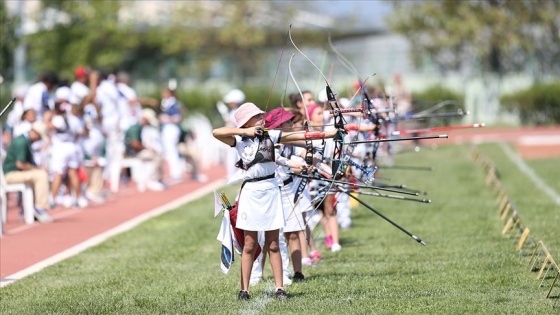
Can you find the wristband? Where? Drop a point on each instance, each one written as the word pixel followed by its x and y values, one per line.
pixel 311 135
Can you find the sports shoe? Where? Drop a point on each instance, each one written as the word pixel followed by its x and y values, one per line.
pixel 155 186
pixel 42 216
pixel 306 261
pixel 243 295
pixel 286 281
pixel 316 256
pixel 94 198
pixel 328 241
pixel 280 294
pixel 298 277
pixel 82 202
pixel 336 247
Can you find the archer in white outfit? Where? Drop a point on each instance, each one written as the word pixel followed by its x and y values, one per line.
pixel 259 207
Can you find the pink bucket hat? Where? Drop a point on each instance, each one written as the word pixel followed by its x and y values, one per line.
pixel 246 112
pixel 276 117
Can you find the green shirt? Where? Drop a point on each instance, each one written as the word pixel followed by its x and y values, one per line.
pixel 133 133
pixel 18 150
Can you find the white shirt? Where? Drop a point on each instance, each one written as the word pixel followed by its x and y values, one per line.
pixel 37 98
pixel 247 149
pixel 107 97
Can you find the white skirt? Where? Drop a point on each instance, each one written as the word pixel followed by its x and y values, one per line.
pixel 260 207
pixel 292 213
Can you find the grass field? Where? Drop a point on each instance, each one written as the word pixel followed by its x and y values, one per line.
pixel 170 265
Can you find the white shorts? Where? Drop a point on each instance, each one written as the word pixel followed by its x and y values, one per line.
pixel 64 155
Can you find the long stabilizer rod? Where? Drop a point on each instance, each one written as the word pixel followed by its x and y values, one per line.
pixel 416 238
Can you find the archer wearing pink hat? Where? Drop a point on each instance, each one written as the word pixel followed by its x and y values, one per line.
pixel 245 112
pixel 259 204
pixel 277 117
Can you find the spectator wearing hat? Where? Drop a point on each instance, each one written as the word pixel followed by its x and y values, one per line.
pixel 141 143
pixel 20 167
pixel 259 201
pixel 233 99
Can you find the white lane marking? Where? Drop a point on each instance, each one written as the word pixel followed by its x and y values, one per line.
pixel 523 167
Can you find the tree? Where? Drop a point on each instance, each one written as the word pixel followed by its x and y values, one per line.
pixel 79 32
pixel 8 42
pixel 501 35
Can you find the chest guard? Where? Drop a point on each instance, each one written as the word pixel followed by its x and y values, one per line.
pixel 265 153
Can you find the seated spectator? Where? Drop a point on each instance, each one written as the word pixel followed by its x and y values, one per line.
pixel 141 144
pixel 19 167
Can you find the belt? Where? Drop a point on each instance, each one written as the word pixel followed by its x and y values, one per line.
pixel 257 179
pixel 288 181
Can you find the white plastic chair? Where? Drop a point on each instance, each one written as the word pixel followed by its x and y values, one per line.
pixel 135 166
pixel 27 194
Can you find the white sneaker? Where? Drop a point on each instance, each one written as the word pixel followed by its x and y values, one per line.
pixel 42 216
pixel 335 247
pixel 155 186
pixel 287 281
pixel 82 202
pixel 94 198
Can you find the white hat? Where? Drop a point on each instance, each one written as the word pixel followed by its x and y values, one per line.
pixel 150 116
pixel 40 128
pixel 344 102
pixel 63 93
pixel 234 96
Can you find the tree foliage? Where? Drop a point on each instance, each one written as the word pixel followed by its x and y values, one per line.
pixel 8 42
pixel 539 104
pixel 188 39
pixel 499 35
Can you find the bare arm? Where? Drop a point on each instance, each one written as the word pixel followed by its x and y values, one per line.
pixel 225 134
pixel 298 136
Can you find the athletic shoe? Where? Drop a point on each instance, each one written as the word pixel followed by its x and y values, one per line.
pixel 298 277
pixel 286 281
pixel 328 241
pixel 336 247
pixel 155 186
pixel 82 202
pixel 42 216
pixel 94 198
pixel 316 256
pixel 243 295
pixel 280 294
pixel 307 261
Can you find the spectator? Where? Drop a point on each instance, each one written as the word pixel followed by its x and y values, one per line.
pixel 19 167
pixel 37 96
pixel 141 145
pixel 233 99
pixel 170 117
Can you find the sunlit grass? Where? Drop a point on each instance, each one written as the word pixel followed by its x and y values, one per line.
pixel 170 264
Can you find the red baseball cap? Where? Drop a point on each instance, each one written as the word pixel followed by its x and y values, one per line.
pixel 80 72
pixel 276 117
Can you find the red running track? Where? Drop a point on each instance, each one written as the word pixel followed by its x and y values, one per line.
pixel 24 245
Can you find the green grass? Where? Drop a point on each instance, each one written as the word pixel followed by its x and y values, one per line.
pixel 537 210
pixel 170 264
